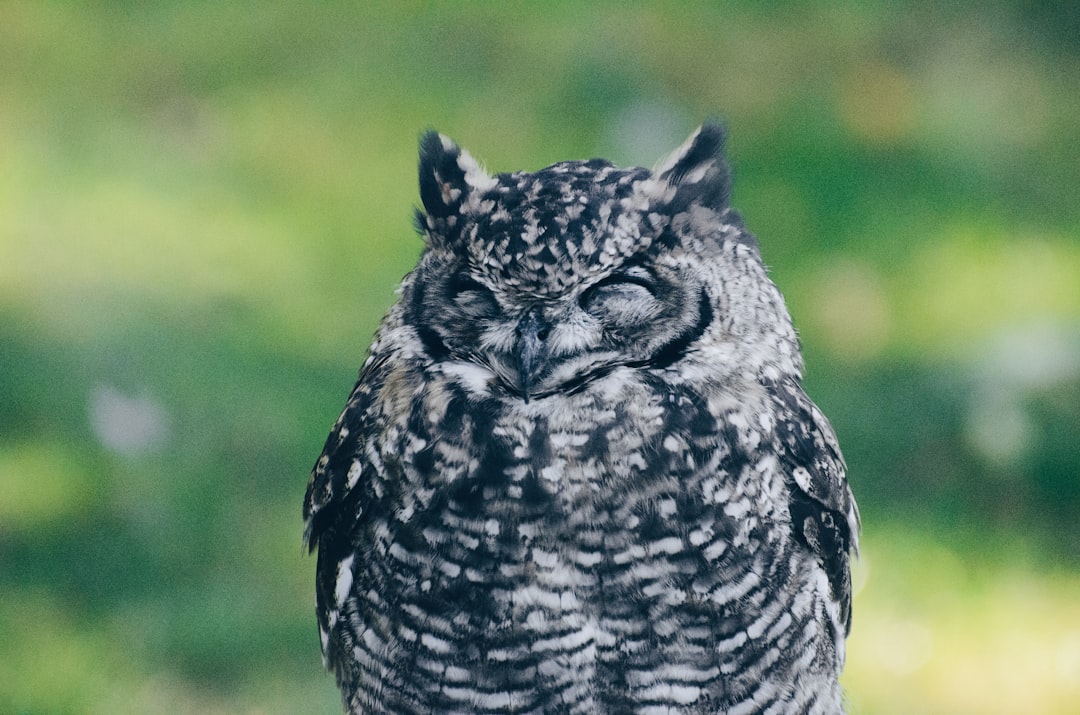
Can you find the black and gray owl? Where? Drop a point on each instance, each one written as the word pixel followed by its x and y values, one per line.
pixel 578 472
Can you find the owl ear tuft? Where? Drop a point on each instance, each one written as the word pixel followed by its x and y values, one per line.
pixel 448 175
pixel 698 171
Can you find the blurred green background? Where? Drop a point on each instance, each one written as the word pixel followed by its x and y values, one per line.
pixel 205 207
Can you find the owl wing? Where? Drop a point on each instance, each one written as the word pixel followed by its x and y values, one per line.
pixel 335 489
pixel 823 511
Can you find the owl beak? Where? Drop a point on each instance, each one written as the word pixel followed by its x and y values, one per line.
pixel 532 351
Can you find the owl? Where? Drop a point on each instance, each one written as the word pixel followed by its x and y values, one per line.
pixel 578 472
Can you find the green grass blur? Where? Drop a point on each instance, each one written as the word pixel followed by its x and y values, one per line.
pixel 205 207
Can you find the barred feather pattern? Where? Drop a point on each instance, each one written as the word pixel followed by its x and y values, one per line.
pixel 658 525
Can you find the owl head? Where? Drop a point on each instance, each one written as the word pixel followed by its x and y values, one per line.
pixel 549 281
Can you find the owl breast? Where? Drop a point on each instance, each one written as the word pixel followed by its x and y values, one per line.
pixel 581 550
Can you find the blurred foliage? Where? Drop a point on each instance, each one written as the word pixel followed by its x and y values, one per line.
pixel 204 208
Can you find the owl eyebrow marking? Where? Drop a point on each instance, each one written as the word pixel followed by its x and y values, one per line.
pixel 463 282
pixel 633 270
pixel 636 274
pixel 615 279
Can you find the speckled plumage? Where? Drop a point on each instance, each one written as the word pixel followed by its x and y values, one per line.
pixel 578 472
